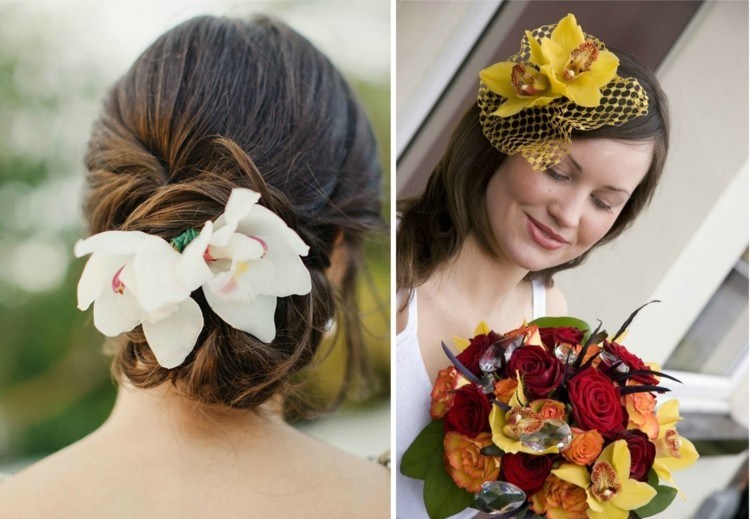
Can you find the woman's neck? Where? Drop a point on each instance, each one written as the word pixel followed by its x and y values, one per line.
pixel 482 277
pixel 161 415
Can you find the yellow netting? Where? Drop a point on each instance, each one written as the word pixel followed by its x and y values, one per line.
pixel 542 134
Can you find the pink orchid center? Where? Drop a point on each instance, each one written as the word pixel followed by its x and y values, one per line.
pixel 118 287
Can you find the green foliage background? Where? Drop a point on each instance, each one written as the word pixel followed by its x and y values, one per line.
pixel 55 385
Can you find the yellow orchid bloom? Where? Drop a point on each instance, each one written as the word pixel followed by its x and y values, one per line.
pixel 611 494
pixel 522 84
pixel 673 452
pixel 502 431
pixel 576 68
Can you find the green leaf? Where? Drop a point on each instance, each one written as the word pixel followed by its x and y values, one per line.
pixel 562 322
pixel 653 478
pixel 442 497
pixel 426 448
pixel 663 498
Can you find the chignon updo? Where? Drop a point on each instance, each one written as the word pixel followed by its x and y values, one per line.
pixel 215 104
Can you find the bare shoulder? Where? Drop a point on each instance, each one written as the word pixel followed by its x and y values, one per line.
pixel 348 485
pixel 556 303
pixel 55 478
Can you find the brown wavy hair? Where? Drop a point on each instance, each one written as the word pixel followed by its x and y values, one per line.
pixel 434 224
pixel 215 104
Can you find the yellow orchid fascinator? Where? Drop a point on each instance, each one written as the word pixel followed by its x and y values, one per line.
pixel 561 80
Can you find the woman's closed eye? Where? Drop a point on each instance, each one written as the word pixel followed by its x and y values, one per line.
pixel 556 175
pixel 598 202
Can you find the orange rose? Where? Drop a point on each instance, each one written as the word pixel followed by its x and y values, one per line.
pixel 505 388
pixel 559 499
pixel 640 407
pixel 549 409
pixel 585 446
pixel 442 392
pixel 468 468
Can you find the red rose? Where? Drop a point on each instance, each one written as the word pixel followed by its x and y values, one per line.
pixel 540 371
pixel 642 453
pixel 551 337
pixel 631 361
pixel 470 412
pixel 596 403
pixel 525 471
pixel 477 346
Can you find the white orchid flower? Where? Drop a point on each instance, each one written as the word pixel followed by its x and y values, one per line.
pixel 255 258
pixel 134 278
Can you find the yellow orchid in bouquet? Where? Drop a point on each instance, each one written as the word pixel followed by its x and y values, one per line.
pixel 611 493
pixel 673 452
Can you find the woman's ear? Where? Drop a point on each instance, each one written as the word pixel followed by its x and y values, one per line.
pixel 340 256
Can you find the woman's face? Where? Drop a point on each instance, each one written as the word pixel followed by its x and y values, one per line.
pixel 543 219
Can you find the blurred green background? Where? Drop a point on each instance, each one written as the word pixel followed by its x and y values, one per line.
pixel 56 62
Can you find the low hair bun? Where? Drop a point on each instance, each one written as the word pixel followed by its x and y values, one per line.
pixel 217 104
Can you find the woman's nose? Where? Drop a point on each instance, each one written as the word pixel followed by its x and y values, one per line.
pixel 567 210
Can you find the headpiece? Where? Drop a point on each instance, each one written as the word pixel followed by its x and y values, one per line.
pixel 243 261
pixel 561 80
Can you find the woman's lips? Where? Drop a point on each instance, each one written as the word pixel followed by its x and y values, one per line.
pixel 544 236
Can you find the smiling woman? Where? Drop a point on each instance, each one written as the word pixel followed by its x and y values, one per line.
pixel 553 218
pixel 561 153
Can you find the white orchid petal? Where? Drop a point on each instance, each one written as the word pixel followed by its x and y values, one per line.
pixel 226 287
pixel 111 242
pixel 270 227
pixel 259 278
pixel 240 202
pixel 292 278
pixel 255 317
pixel 97 277
pixel 116 313
pixel 173 338
pixel 156 282
pixel 239 248
pixel 191 268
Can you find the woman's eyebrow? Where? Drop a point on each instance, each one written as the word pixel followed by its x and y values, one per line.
pixel 620 189
pixel 580 168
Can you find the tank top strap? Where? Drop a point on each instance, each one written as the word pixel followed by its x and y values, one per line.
pixel 538 299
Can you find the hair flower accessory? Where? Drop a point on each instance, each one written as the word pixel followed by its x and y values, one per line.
pixel 254 257
pixel 243 262
pixel 561 80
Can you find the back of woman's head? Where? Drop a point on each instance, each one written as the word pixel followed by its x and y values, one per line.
pixel 434 224
pixel 216 104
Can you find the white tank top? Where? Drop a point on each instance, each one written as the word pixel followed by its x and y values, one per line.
pixel 413 388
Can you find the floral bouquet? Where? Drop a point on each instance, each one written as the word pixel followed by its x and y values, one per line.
pixel 550 420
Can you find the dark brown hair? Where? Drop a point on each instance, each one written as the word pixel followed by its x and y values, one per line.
pixel 215 104
pixel 434 224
